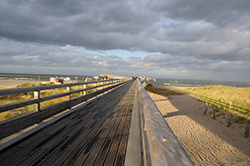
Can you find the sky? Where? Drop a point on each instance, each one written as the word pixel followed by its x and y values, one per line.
pixel 173 39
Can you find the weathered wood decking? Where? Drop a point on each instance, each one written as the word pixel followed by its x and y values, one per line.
pixel 95 135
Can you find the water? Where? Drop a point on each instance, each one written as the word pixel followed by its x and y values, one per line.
pixel 41 77
pixel 159 82
pixel 196 83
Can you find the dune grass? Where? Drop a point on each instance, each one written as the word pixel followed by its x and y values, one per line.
pixel 220 97
pixel 8 99
pixel 163 91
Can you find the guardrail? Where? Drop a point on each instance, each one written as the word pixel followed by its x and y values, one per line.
pixel 158 144
pixel 16 124
pixel 227 117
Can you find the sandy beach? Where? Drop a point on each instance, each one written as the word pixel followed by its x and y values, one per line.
pixel 206 141
pixel 14 83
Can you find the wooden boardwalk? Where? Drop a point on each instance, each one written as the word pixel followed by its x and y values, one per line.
pixel 94 135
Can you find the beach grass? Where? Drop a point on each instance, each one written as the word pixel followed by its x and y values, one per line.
pixel 221 96
pixel 163 91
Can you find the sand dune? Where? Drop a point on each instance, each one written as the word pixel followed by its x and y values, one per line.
pixel 206 141
pixel 14 83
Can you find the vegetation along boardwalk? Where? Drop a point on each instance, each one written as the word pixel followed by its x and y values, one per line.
pixel 94 135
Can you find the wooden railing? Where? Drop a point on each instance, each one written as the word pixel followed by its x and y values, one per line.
pixel 15 124
pixel 37 99
pixel 228 117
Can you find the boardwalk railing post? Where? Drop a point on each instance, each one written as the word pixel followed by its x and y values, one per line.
pixel 68 90
pixel 102 84
pixel 247 130
pixel 69 97
pixel 37 96
pixel 95 84
pixel 84 92
pixel 81 93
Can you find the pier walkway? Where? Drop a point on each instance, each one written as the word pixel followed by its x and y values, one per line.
pixel 95 135
pixel 117 123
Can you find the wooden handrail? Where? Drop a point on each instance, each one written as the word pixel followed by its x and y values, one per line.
pixel 18 123
pixel 12 91
pixel 38 89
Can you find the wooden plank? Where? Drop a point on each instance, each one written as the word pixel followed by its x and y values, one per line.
pixel 121 153
pixel 18 123
pixel 49 145
pixel 44 149
pixel 109 151
pixel 56 155
pixel 93 155
pixel 120 158
pixel 113 152
pixel 106 139
pixel 79 145
pixel 38 137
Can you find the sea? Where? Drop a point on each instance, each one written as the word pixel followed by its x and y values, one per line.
pixel 42 77
pixel 156 82
pixel 194 83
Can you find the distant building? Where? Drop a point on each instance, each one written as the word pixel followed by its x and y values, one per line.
pixel 67 79
pixel 96 77
pixel 104 76
pixel 56 80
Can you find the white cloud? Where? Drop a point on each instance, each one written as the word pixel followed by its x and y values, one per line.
pixel 68 47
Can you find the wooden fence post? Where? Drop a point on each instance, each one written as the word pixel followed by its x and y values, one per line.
pixel 228 119
pixel 247 130
pixel 214 112
pixel 95 84
pixel 229 116
pixel 205 112
pixel 102 84
pixel 37 96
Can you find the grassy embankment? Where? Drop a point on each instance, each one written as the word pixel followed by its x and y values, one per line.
pixel 8 99
pixel 163 91
pixel 220 97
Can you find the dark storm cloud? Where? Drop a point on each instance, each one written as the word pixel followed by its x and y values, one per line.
pixel 92 24
pixel 221 12
pixel 194 35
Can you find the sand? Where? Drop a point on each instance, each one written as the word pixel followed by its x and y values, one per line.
pixel 14 83
pixel 206 141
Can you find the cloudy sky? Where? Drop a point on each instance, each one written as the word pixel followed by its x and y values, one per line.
pixel 185 39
